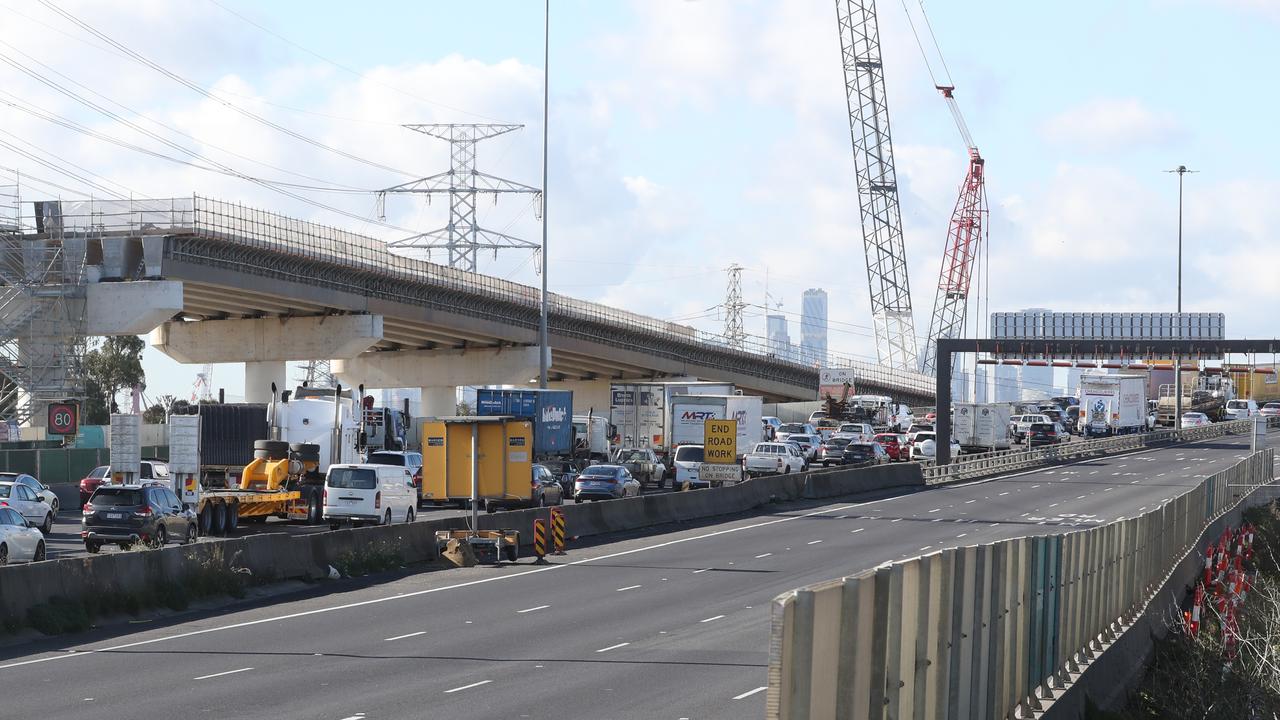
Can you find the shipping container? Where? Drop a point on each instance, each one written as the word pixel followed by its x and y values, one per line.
pixel 1259 387
pixel 550 411
pixel 502 456
pixel 227 434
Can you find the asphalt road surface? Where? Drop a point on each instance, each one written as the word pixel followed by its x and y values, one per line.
pixel 667 626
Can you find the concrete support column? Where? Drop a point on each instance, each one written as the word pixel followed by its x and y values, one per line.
pixel 440 401
pixel 258 377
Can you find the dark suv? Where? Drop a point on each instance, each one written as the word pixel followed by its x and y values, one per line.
pixel 129 514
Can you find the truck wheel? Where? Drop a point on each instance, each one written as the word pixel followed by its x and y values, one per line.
pixel 217 519
pixel 205 519
pixel 315 505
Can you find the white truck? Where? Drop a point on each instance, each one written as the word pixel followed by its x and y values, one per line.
pixel 1112 404
pixel 689 414
pixel 982 427
pixel 640 412
pixel 592 436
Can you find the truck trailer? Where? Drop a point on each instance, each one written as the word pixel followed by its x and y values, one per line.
pixel 497 448
pixel 982 427
pixel 550 413
pixel 641 412
pixel 689 414
pixel 1112 404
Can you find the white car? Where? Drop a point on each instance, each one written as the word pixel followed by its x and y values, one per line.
pixel 1271 409
pixel 786 430
pixel 29 505
pixel 19 540
pixel 808 444
pixel 1195 420
pixel 1241 410
pixel 925 446
pixel 1019 425
pixel 856 432
pixel 379 494
pixel 770 425
pixel 44 491
pixel 770 458
pixel 687 462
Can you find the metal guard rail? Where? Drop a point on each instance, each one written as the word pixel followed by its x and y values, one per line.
pixel 986 465
pixel 984 631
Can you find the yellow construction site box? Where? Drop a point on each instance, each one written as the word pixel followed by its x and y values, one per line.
pixel 503 459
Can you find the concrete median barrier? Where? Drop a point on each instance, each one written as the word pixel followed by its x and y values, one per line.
pixel 275 557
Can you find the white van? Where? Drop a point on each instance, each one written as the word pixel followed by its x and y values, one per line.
pixel 379 494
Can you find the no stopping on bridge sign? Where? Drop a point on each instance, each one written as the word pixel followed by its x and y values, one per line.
pixel 64 418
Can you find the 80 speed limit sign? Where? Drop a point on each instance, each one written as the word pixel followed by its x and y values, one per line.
pixel 64 418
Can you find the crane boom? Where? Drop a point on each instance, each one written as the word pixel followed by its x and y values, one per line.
pixel 877 184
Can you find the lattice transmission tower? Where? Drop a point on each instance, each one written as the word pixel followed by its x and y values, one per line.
pixel 877 184
pixel 735 334
pixel 463 236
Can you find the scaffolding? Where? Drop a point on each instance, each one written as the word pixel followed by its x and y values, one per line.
pixel 42 312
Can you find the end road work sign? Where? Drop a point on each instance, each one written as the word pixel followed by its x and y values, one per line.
pixel 720 442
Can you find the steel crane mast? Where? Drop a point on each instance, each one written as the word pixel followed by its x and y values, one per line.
pixel 877 184
pixel 965 236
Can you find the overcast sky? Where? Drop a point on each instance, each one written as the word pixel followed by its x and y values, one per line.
pixel 689 135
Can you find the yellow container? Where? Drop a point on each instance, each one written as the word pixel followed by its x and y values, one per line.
pixel 502 457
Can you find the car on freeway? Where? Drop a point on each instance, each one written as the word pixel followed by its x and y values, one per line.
pixel 1271 409
pixel 1195 420
pixel 686 462
pixel 20 541
pixel 1045 434
pixel 799 451
pixel 546 488
pixel 150 472
pixel 786 430
pixel 1020 424
pixel 916 429
pixel 771 458
pixel 90 482
pixel 125 515
pixel 771 425
pixel 831 452
pixel 359 493
pixel 864 454
pixel 608 482
pixel 1241 410
pixel 924 447
pixel 46 494
pixel 28 504
pixel 857 432
pixel 808 444
pixel 895 445
pixel 642 463
pixel 826 428
pixel 1072 423
pixel 399 458
pixel 817 415
pixel 565 473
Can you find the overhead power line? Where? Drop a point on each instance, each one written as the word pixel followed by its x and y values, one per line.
pixel 195 87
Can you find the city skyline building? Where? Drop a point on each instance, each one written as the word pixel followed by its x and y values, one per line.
pixel 813 327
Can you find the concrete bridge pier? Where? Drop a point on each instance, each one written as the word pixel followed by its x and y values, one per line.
pixel 266 345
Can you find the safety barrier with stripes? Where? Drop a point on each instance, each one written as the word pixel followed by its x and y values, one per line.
pixel 984 631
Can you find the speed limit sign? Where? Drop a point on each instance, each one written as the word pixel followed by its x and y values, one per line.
pixel 64 418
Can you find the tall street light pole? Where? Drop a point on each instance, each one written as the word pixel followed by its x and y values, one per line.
pixel 544 349
pixel 1177 360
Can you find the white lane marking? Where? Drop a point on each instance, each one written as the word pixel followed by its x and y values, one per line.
pixel 966 502
pixel 229 672
pixel 613 647
pixel 935 510
pixel 532 609
pixel 1004 493
pixel 857 531
pixel 629 587
pixel 763 555
pixel 407 635
pixel 1081 497
pixel 1034 486
pixel 357 716
pixel 710 619
pixel 813 542
pixel 749 693
pixel 926 547
pixel 961 535
pixel 895 520
pixel 695 572
pixel 468 687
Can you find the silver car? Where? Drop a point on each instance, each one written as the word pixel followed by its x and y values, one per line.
pixel 605 482
pixel 20 541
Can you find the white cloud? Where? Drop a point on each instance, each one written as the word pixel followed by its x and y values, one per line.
pixel 1111 124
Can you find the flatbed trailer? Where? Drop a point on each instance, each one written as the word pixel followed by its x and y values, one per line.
pixel 221 511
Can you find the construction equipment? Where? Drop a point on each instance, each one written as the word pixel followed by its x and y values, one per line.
pixel 877 184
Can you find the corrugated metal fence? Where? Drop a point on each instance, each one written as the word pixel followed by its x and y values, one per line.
pixel 64 465
pixel 980 632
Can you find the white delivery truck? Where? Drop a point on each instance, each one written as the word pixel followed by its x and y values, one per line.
pixel 982 427
pixel 640 412
pixel 1112 404
pixel 592 436
pixel 689 414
